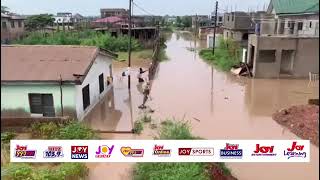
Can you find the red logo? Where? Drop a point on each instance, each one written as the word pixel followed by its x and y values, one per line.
pixel 263 151
pixel 295 147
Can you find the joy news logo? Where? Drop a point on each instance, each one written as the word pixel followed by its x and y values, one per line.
pixel 129 152
pixel 104 151
pixel 207 151
pixel 231 151
pixel 158 150
pixel 24 152
pixel 263 151
pixel 79 152
pixel 53 152
pixel 295 151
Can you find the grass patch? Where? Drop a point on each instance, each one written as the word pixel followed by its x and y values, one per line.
pixel 138 127
pixel 70 130
pixel 226 55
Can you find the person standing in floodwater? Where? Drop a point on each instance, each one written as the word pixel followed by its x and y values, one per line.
pixel 146 93
pixel 141 71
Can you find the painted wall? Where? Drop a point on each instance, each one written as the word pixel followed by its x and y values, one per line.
pixel 15 97
pixel 100 65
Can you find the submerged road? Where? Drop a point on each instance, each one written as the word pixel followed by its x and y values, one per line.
pixel 219 106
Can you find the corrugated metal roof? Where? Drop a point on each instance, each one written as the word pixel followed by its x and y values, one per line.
pixel 45 63
pixel 295 6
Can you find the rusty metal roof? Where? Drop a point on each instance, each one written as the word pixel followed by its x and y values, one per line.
pixel 45 63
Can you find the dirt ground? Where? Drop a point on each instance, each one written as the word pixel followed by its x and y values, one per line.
pixel 303 120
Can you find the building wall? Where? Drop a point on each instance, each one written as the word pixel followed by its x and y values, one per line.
pixel 305 57
pixel 101 65
pixel 11 33
pixel 14 98
pixel 235 35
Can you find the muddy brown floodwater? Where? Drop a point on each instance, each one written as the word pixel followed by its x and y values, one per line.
pixel 219 106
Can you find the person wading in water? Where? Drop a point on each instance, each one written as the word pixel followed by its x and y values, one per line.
pixel 141 71
pixel 146 93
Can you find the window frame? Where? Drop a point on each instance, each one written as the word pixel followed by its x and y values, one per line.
pixel 12 24
pixel 101 83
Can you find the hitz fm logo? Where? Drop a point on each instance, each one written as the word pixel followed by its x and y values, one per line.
pixel 53 152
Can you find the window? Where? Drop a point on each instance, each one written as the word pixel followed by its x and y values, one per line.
pixel 300 25
pixel 12 24
pixel 101 84
pixel 220 19
pixel 267 56
pixel 4 25
pixel 85 97
pixel 41 104
pixel 228 18
pixel 310 24
pixel 232 18
pixel 19 24
pixel 227 34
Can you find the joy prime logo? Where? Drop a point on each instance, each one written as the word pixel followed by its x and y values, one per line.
pixel 263 151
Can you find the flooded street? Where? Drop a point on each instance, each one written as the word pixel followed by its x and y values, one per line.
pixel 218 105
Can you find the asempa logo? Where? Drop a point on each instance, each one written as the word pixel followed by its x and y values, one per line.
pixel 24 152
pixel 159 150
pixel 104 151
pixel 295 151
pixel 231 151
pixel 196 151
pixel 53 152
pixel 129 152
pixel 263 151
pixel 79 152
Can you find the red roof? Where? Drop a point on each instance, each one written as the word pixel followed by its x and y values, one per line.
pixel 111 19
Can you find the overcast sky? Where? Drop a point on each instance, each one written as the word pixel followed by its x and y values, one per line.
pixel 156 7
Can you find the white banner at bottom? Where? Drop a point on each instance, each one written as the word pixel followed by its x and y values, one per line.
pixel 160 151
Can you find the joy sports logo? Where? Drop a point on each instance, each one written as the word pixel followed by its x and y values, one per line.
pixel 53 152
pixel 79 152
pixel 23 152
pixel 160 151
pixel 263 151
pixel 104 151
pixel 129 152
pixel 231 151
pixel 196 151
pixel 295 151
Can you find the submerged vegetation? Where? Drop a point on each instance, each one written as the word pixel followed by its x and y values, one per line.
pixel 227 54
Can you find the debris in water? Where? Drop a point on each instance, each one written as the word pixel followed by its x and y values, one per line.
pixel 226 97
pixel 196 119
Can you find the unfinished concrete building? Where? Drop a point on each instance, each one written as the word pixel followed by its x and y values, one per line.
pixel 286 42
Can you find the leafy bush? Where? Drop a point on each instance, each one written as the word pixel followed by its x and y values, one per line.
pixel 138 127
pixel 146 118
pixel 89 38
pixel 45 130
pixel 17 171
pixel 6 137
pixel 75 130
pixel 226 55
pixel 170 171
pixel 175 130
pixel 71 130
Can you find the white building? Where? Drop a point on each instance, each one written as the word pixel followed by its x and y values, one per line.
pixel 44 81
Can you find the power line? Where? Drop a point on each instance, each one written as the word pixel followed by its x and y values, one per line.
pixel 142 9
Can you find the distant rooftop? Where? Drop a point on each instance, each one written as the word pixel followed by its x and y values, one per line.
pixel 295 6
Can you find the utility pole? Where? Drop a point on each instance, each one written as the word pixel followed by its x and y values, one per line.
pixel 214 30
pixel 129 48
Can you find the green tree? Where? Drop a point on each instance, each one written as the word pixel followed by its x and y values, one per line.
pixel 4 9
pixel 178 21
pixel 39 22
pixel 186 21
